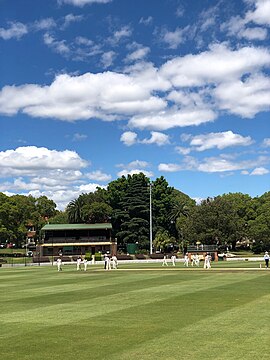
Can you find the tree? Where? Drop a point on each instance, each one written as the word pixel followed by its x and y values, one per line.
pixel 74 210
pixel 133 212
pixel 163 241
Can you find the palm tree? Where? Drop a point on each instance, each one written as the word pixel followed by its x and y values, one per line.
pixel 74 210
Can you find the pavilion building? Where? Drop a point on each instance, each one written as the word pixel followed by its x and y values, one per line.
pixel 76 239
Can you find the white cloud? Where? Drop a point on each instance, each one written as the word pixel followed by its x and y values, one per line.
pixel 146 21
pixel 107 96
pixel 81 3
pixel 107 58
pixel 241 26
pixel 98 176
pixel 123 33
pixel 172 118
pixel 266 142
pixel 254 33
pixel 238 27
pixel 220 140
pixel 261 14
pixel 259 171
pixel 139 53
pixel 71 18
pixel 157 138
pixel 79 137
pixel 186 91
pixel 38 158
pixel 174 38
pixel 16 30
pixel 169 167
pixel 213 164
pixel 59 46
pixel 245 98
pixel 135 171
pixel 135 164
pixel 182 150
pixel 40 171
pixel 44 24
pixel 218 65
pixel 129 138
pixel 138 163
pixel 90 188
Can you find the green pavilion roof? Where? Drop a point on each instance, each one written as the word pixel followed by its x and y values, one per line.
pixel 77 226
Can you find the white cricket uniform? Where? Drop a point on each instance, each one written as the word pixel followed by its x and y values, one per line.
pixel 114 262
pixel 173 258
pixel 79 261
pixel 186 260
pixel 207 262
pixel 59 264
pixel 165 261
pixel 85 262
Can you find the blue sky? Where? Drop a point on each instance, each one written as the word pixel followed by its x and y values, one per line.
pixel 91 90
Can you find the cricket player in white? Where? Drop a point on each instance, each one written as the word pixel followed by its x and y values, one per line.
pixel 173 258
pixel 79 261
pixel 266 259
pixel 59 264
pixel 207 261
pixel 114 262
pixel 85 262
pixel 186 260
pixel 164 261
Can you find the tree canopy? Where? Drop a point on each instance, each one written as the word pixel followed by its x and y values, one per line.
pixel 227 220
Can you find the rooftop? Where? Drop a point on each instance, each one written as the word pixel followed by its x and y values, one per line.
pixel 76 226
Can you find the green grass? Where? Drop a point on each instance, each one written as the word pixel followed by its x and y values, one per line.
pixel 136 312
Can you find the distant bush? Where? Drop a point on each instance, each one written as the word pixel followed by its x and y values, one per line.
pixel 98 257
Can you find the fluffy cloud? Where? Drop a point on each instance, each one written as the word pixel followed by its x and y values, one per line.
pixel 218 65
pixel 107 58
pixel 261 13
pixel 244 97
pixel 259 171
pixel 134 164
pixel 70 18
pixel 169 167
pixel 241 26
pixel 129 138
pixel 266 142
pixel 107 96
pixel 139 52
pixel 58 46
pixel 135 167
pixel 135 171
pixel 15 30
pixel 174 38
pixel 220 140
pixel 40 171
pixel 39 158
pixel 172 118
pixel 185 91
pixel 157 138
pixel 98 176
pixel 81 3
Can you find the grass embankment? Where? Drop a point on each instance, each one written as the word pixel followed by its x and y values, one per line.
pixel 153 314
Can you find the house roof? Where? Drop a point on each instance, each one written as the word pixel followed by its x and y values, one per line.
pixel 77 226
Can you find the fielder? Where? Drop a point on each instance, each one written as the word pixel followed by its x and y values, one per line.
pixel 207 261
pixel 59 264
pixel 186 260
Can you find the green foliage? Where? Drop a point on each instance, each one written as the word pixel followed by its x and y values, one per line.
pixel 163 240
pixel 17 212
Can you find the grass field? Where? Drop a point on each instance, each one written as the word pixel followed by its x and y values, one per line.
pixel 136 312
